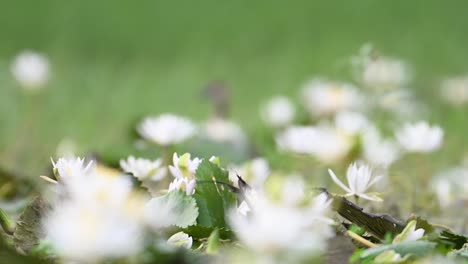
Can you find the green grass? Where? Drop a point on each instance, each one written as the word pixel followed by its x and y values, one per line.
pixel 116 62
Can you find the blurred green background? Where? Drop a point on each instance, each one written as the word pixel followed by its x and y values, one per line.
pixel 116 61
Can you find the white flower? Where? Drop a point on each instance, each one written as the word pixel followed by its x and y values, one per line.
pixel 143 168
pixel 224 131
pixel 378 151
pixel 451 185
pixel 31 70
pixel 278 229
pixel 183 170
pixel 184 184
pixel 327 97
pixel 254 172
pixel 455 90
pixel 327 144
pixel 278 112
pixel 71 167
pixel 184 166
pixel 410 233
pixel 166 129
pixel 351 122
pixel 180 239
pixel 96 217
pixel 420 137
pixel 359 180
pixel 384 73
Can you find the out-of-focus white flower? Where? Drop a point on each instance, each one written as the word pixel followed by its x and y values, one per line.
pixel 359 181
pixel 254 172
pixel 327 97
pixel 143 168
pixel 455 90
pixel 166 129
pixel 97 216
pixel 378 151
pixel 272 228
pixel 327 144
pixel 384 73
pixel 278 112
pixel 71 167
pixel 420 137
pixel 31 70
pixel 183 170
pixel 410 233
pixel 451 185
pixel 351 122
pixel 180 239
pixel 293 191
pixel 224 131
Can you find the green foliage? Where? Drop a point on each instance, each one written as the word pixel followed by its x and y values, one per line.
pixel 213 199
pixel 7 223
pixel 183 208
pixel 213 242
pixel 416 248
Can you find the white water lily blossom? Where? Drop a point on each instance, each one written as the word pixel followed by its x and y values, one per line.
pixel 323 97
pixel 278 111
pixel 166 129
pixel 359 178
pixel 378 151
pixel 420 137
pixel 143 168
pixel 31 70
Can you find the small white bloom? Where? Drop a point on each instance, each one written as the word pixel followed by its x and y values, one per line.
pixel 71 167
pixel 327 97
pixel 166 129
pixel 359 178
pixel 384 73
pixel 180 239
pixel 31 70
pixel 224 131
pixel 352 122
pixel 328 144
pixel 183 170
pixel 451 185
pixel 278 112
pixel 143 168
pixel 378 151
pixel 455 90
pixel 183 184
pixel 410 233
pixel 420 137
pixel 184 166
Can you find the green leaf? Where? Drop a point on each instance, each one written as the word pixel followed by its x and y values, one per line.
pixel 199 232
pixel 28 226
pixel 213 199
pixel 457 240
pixel 213 242
pixel 182 208
pixel 7 224
pixel 416 248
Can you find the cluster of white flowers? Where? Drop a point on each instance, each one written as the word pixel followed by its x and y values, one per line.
pixel 166 129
